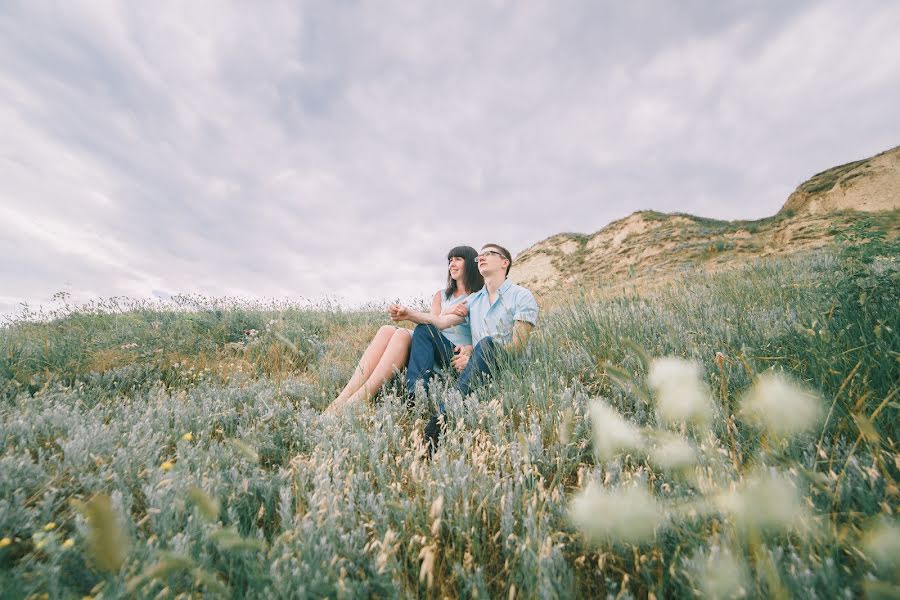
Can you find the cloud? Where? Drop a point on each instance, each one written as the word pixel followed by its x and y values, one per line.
pixel 313 150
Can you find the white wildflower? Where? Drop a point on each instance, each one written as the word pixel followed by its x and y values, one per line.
pixel 723 576
pixel 612 433
pixel 764 502
pixel 882 544
pixel 437 507
pixel 427 555
pixel 565 425
pixel 681 393
pixel 627 515
pixel 781 406
pixel 673 452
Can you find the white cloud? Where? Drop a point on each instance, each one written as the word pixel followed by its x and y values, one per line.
pixel 338 150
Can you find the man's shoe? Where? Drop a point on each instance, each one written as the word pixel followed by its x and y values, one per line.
pixel 433 433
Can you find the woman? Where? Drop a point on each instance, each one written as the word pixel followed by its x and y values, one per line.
pixel 389 349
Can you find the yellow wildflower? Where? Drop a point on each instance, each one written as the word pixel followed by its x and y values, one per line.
pixel 50 526
pixel 167 465
pixel 188 437
pixel 68 543
pixel 5 542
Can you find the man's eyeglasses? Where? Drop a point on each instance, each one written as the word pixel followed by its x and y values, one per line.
pixel 487 253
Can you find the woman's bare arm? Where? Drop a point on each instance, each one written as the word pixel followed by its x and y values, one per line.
pixel 436 303
pixel 402 313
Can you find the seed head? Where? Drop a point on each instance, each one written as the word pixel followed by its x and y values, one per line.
pixel 780 406
pixel 882 544
pixel 764 502
pixel 612 433
pixel 723 576
pixel 627 515
pixel 673 452
pixel 681 393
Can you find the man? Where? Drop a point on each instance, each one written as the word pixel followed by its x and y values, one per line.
pixel 501 316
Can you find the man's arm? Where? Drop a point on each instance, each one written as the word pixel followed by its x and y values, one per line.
pixel 526 315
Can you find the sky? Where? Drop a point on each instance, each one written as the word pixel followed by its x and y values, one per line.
pixel 337 150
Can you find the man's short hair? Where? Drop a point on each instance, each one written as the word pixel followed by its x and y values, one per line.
pixel 502 251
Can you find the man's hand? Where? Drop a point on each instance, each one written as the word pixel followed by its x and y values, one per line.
pixel 398 312
pixel 521 331
pixel 462 357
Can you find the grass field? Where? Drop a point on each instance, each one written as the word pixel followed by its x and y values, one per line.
pixel 168 452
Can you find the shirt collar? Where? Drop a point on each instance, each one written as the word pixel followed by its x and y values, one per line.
pixel 502 289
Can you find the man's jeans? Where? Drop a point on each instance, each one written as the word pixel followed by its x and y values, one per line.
pixel 431 349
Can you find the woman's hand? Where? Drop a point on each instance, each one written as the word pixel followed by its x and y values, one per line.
pixel 460 310
pixel 398 312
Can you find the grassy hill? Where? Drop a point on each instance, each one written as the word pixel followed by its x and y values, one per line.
pixel 649 249
pixel 162 453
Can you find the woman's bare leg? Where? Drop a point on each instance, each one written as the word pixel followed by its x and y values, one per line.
pixel 367 363
pixel 394 358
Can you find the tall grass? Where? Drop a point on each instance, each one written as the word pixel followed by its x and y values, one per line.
pixel 193 443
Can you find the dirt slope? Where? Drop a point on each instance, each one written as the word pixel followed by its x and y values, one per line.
pixel 647 248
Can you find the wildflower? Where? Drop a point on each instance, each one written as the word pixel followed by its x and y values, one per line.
pixel 764 502
pixel 107 542
pixel 673 452
pixel 723 576
pixel 565 426
pixel 612 433
pixel 5 542
pixel 780 406
pixel 167 465
pixel 626 515
pixel 427 555
pixel 437 507
pixel 50 526
pixel 680 392
pixel 882 544
pixel 388 548
pixel 68 543
pixel 244 449
pixel 188 437
pixel 206 505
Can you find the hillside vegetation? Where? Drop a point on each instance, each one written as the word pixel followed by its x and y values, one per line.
pixel 649 249
pixel 157 453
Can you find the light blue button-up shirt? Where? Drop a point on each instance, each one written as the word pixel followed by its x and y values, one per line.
pixel 513 303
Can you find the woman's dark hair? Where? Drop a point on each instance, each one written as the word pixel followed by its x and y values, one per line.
pixel 472 279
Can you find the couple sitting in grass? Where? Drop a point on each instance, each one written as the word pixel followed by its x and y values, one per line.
pixel 478 317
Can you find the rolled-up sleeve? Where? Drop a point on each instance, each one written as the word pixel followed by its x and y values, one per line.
pixel 526 307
